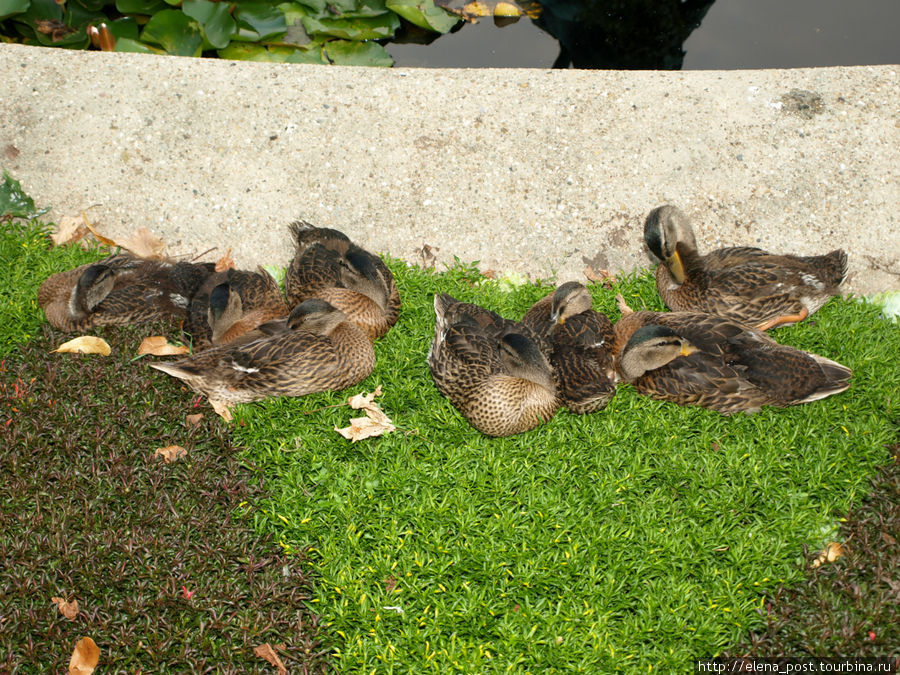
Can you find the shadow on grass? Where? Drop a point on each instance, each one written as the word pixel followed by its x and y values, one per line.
pixel 89 514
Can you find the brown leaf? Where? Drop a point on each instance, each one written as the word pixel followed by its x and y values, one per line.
pixel 57 30
pixel 145 244
pixel 604 276
pixel 67 609
pixel 85 657
pixel 831 553
pixel 158 345
pixel 489 274
pixel 226 262
pixel 86 344
pixel 888 539
pixel 97 235
pixel 70 229
pixel 222 408
pixel 366 401
pixel 193 420
pixel 266 652
pixel 427 254
pixel 170 453
pixel 390 584
pixel 374 423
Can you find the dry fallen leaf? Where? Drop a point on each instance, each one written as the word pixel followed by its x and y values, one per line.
pixel 427 254
pixel 831 553
pixel 507 9
pixel 85 657
pixel 170 453
pixel 364 400
pixel 266 652
pixel 605 276
pixel 375 423
pixel 193 420
pixel 222 408
pixel 97 235
pixel 67 609
pixel 158 345
pixel 226 262
pixel 86 344
pixel 145 244
pixel 70 229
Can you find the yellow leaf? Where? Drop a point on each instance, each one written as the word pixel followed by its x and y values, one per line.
pixel 85 657
pixel 507 9
pixel 70 228
pixel 831 553
pixel 266 652
pixel 170 453
pixel 157 345
pixel 476 8
pixel 67 609
pixel 86 344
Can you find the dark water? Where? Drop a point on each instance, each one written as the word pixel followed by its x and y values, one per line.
pixel 674 34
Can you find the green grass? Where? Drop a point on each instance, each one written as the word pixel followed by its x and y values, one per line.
pixel 637 538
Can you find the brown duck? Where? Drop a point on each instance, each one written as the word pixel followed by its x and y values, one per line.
pixel 329 266
pixel 315 349
pixel 122 289
pixel 490 368
pixel 580 342
pixel 747 284
pixel 692 358
pixel 233 302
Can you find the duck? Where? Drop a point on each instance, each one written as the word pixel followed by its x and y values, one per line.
pixel 708 360
pixel 121 289
pixel 233 302
pixel 580 340
pixel 491 369
pixel 315 348
pixel 748 284
pixel 327 265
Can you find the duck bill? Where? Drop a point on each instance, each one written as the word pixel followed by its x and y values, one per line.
pixel 687 349
pixel 676 267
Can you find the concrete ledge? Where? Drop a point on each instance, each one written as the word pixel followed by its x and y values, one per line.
pixel 534 171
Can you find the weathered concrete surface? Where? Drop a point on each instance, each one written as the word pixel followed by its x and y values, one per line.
pixel 527 170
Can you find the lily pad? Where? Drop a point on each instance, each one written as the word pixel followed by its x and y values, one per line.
pixel 214 19
pixel 258 21
pixel 313 55
pixel 13 7
pixel 344 53
pixel 374 28
pixel 140 6
pixel 175 32
pixel 124 28
pixel 130 45
pixel 424 14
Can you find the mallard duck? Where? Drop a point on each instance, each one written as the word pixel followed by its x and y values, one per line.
pixel 122 289
pixel 231 303
pixel 328 265
pixel 692 358
pixel 490 368
pixel 315 349
pixel 748 284
pixel 580 341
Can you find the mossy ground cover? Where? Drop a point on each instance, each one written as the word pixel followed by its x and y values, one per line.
pixel 640 537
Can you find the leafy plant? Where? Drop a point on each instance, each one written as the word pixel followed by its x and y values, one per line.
pixel 302 31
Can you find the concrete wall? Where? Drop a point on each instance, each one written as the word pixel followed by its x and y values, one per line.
pixel 535 171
